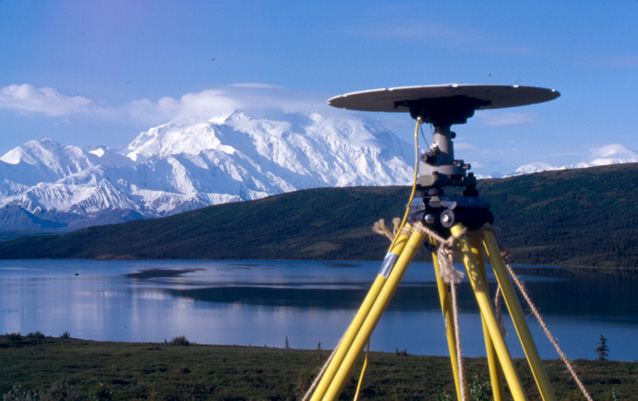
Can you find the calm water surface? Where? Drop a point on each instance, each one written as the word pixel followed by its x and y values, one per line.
pixel 263 302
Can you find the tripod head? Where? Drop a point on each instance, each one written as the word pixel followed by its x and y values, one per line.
pixel 443 106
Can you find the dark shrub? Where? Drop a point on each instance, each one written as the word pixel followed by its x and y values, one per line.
pixel 37 335
pixel 180 340
pixel 14 336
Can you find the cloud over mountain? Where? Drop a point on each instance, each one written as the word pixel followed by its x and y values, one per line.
pixel 260 100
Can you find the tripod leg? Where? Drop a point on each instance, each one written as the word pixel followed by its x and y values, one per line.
pixel 346 342
pixel 516 312
pixel 487 313
pixel 492 359
pixel 446 307
pixel 380 305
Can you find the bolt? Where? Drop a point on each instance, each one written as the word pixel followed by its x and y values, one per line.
pixel 429 219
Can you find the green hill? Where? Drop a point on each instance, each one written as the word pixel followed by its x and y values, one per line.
pixel 584 217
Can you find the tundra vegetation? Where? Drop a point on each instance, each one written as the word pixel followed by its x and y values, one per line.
pixel 36 367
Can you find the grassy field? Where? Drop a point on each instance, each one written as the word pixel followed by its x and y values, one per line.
pixel 44 368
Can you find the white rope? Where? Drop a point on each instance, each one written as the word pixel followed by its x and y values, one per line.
pixel 315 382
pixel 498 309
pixel 447 271
pixel 521 288
pixel 445 252
pixel 380 228
pixel 457 341
pixel 549 335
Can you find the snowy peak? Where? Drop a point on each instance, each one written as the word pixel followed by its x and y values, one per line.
pixel 45 160
pixel 536 167
pixel 321 151
pixel 613 154
pixel 603 156
pixel 48 153
pixel 171 139
pixel 177 167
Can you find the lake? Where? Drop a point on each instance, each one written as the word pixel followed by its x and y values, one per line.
pixel 261 303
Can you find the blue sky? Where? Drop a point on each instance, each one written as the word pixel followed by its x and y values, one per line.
pixel 99 72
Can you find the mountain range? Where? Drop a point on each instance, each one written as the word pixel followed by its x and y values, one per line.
pixel 48 186
pixel 177 167
pixel 603 156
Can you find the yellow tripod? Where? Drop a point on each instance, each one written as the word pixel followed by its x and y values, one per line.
pixel 472 247
pixel 443 106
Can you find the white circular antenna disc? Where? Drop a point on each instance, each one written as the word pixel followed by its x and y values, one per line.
pixel 484 96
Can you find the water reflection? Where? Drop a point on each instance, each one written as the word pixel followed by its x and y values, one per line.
pixel 262 303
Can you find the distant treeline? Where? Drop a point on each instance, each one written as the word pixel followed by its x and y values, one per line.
pixel 583 217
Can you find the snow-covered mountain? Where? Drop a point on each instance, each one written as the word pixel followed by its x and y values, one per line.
pixel 176 167
pixel 606 155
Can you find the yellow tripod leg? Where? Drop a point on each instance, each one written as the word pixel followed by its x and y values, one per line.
pixel 355 325
pixel 496 379
pixel 483 300
pixel 516 312
pixel 446 307
pixel 380 305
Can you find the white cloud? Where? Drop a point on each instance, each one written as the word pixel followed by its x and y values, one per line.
pixel 48 101
pixel 612 150
pixel 250 97
pixel 221 102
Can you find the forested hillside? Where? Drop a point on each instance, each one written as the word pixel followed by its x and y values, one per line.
pixel 569 217
pixel 584 217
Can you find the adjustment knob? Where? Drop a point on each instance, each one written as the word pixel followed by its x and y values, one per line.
pixel 447 218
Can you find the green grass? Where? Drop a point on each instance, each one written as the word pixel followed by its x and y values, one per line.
pixel 72 369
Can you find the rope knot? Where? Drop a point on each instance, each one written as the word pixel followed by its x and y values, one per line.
pixel 448 272
pixel 380 228
pixel 445 248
